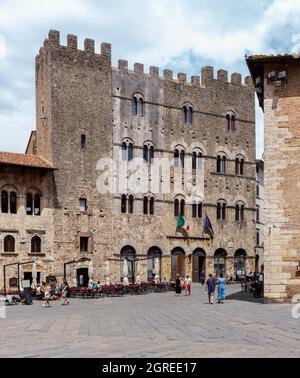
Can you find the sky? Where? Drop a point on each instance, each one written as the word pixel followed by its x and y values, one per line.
pixel 183 35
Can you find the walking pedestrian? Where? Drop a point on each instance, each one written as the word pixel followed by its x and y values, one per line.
pixel 178 284
pixel 64 292
pixel 202 277
pixel 211 287
pixel 47 296
pixel 187 285
pixel 221 288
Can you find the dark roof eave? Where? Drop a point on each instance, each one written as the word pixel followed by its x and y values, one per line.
pixel 29 166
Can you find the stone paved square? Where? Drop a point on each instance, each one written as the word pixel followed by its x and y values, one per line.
pixel 154 325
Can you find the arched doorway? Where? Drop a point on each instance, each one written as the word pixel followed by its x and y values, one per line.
pixel 177 263
pixel 199 263
pixel 220 261
pixel 129 253
pixel 82 277
pixel 153 253
pixel 240 258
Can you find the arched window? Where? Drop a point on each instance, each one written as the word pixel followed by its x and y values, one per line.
pixel 149 205
pixel 148 152
pixel 197 160
pixel 13 203
pixel 242 167
pixel 146 205
pixel 182 207
pixel 130 204
pixel 197 210
pixel 221 164
pixel 176 158
pixel 179 157
pixel 36 245
pixel 124 204
pixel 230 121
pixel 221 210
pixel 145 153
pixel 130 152
pixel 151 154
pixel 182 157
pixel 134 106
pixel 4 201
pixel 239 166
pixel 9 244
pixel 190 116
pixel 127 204
pixel 127 150
pixel 138 105
pixel 29 204
pixel 124 151
pixel 184 113
pixel 152 206
pixel 233 119
pixel 239 212
pixel 176 207
pixel 37 204
pixel 187 112
pixel 141 108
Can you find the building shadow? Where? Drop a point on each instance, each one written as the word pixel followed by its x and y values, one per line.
pixel 244 297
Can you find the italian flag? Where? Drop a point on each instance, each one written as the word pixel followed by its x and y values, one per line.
pixel 181 223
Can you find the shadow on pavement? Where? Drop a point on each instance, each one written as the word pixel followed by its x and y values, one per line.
pixel 246 297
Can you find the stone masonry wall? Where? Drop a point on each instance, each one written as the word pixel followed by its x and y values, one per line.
pixel 282 172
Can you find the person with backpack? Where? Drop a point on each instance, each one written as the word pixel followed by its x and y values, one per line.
pixel 64 292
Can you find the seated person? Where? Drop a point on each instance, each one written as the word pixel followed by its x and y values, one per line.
pixel 165 281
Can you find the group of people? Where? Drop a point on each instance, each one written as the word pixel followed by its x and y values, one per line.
pixel 211 284
pixel 183 283
pixel 55 292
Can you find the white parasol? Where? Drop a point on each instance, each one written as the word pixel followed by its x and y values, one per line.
pixel 107 268
pixel 125 272
pixel 138 272
pixel 156 266
pixel 125 268
pixel 107 272
pixel 34 275
pixel 91 270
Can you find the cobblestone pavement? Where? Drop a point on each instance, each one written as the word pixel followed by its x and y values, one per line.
pixel 154 325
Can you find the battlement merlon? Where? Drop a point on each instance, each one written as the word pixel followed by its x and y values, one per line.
pixel 205 80
pixel 53 41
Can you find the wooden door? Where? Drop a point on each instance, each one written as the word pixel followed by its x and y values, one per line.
pixel 196 273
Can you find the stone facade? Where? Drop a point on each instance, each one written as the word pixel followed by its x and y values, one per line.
pixel 86 112
pixel 260 214
pixel 278 86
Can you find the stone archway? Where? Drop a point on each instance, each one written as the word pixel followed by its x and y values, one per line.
pixel 129 253
pixel 199 264
pixel 177 262
pixel 240 259
pixel 152 253
pixel 220 261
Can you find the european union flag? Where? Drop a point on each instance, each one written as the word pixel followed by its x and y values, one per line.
pixel 208 227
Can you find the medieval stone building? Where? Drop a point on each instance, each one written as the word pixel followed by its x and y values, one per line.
pixel 277 82
pixel 53 206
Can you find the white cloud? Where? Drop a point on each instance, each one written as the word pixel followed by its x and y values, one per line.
pixel 184 34
pixel 2 47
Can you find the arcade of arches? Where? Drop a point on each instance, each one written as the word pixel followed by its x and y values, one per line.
pixel 198 264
